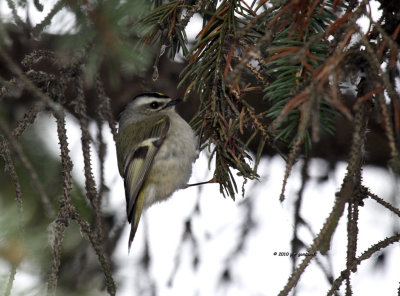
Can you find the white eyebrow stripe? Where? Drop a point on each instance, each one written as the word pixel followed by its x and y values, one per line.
pixel 147 100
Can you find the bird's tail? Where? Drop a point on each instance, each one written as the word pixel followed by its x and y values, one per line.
pixel 137 212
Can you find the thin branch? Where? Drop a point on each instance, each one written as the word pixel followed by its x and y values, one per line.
pixel 103 260
pixel 295 276
pixel 104 110
pixel 379 200
pixel 11 279
pixel 66 161
pixel 295 149
pixel 182 23
pixel 254 53
pixel 10 168
pixel 90 184
pixel 354 178
pixel 28 119
pixel 17 18
pixel 62 221
pixel 59 226
pixel 298 220
pixel 364 256
pixel 385 112
pixel 48 19
pixel 28 84
pixel 16 148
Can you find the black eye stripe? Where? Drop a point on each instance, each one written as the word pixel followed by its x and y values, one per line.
pixel 154 105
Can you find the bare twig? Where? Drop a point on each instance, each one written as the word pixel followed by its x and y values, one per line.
pixel 379 200
pixel 364 256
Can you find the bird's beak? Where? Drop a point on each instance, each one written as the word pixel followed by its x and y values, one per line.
pixel 172 103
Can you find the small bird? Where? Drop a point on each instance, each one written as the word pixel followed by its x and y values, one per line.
pixel 155 149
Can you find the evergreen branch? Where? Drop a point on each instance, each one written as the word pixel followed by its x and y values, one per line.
pixel 209 63
pixel 163 24
pixel 182 23
pixel 296 54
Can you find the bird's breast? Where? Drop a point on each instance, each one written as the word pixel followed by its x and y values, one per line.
pixel 172 166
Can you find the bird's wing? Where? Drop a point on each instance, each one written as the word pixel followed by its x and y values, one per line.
pixel 136 154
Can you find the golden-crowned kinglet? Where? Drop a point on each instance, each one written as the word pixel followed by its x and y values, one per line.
pixel 155 149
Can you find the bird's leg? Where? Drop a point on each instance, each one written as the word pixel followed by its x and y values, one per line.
pixel 201 183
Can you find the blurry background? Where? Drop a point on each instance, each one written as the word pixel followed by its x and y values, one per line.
pixel 67 69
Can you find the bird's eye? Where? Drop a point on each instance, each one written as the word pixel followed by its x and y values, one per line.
pixel 153 105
